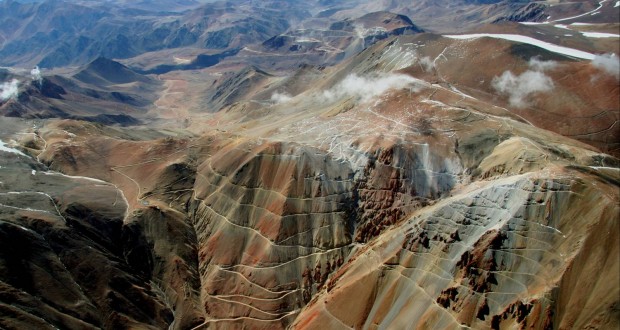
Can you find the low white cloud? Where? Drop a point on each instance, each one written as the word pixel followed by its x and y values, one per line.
pixel 9 90
pixel 369 87
pixel 608 63
pixel 35 74
pixel 360 32
pixel 427 63
pixel 278 98
pixel 519 88
pixel 539 65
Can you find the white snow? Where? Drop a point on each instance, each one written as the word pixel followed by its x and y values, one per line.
pixel 591 12
pixel 75 177
pixel 528 40
pixel 605 168
pixel 586 34
pixel 4 148
pixel 454 89
pixel 600 35
pixel 34 172
pixel 617 4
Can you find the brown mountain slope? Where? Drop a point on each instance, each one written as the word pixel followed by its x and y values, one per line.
pixel 362 207
pixel 427 182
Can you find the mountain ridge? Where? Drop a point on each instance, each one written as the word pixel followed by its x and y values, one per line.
pixel 332 166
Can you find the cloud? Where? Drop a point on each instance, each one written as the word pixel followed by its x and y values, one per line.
pixel 9 90
pixel 278 98
pixel 609 63
pixel 427 64
pixel 519 88
pixel 371 86
pixel 360 32
pixel 36 75
pixel 539 65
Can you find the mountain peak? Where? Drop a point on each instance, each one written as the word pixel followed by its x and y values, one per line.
pixel 104 71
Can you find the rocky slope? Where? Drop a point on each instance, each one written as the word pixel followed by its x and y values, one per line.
pixel 405 187
pixel 430 209
pixel 103 91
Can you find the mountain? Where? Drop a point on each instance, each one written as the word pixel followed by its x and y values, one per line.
pixel 56 33
pixel 337 174
pixel 342 40
pixel 103 72
pixel 103 91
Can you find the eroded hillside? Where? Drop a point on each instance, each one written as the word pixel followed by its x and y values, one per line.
pixel 429 181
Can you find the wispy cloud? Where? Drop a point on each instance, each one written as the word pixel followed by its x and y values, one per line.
pixel 9 90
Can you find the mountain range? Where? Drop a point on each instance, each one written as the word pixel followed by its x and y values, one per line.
pixel 321 164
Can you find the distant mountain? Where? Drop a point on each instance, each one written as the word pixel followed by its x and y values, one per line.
pixel 103 91
pixel 104 72
pixel 381 20
pixel 341 40
pixel 532 12
pixel 56 33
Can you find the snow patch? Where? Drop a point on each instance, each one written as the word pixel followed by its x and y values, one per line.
pixel 454 89
pixel 591 12
pixel 4 148
pixel 600 35
pixel 528 40
pixel 75 177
